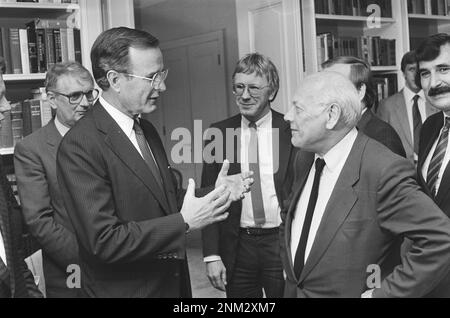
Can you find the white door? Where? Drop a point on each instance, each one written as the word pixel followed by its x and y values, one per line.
pixel 273 28
pixel 196 91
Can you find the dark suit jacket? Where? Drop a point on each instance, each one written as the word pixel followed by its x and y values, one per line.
pixel 393 111
pixel 43 207
pixel 375 200
pixel 21 282
pixel 131 238
pixel 222 239
pixel 381 131
pixel 429 134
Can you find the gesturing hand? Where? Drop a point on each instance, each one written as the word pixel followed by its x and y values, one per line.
pixel 201 212
pixel 238 184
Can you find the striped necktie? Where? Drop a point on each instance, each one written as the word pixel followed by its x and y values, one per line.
pixel 417 123
pixel 438 158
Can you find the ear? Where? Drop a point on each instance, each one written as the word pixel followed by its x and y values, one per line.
pixel 273 95
pixel 51 98
pixel 362 92
pixel 114 80
pixel 333 115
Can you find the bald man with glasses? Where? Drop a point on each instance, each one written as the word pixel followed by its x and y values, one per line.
pixel 70 92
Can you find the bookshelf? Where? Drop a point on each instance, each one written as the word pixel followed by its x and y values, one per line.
pixel 339 27
pixel 82 15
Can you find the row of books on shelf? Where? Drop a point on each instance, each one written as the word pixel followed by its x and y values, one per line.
pixel 352 7
pixel 24 118
pixel 385 85
pixel 429 7
pixel 37 47
pixel 374 49
pixel 40 1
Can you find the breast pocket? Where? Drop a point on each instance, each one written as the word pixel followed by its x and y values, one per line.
pixel 353 229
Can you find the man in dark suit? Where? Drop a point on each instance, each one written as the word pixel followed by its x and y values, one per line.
pixel 70 92
pixel 358 71
pixel 353 199
pixel 117 184
pixel 16 281
pixel 407 110
pixel 433 58
pixel 242 253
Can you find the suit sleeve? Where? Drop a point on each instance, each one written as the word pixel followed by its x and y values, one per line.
pixel 32 289
pixel 210 234
pixel 86 186
pixel 404 210
pixel 57 241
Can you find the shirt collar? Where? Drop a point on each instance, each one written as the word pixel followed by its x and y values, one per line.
pixel 409 94
pixel 340 151
pixel 125 122
pixel 260 123
pixel 63 130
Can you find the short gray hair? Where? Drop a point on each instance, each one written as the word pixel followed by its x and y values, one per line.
pixel 334 88
pixel 66 68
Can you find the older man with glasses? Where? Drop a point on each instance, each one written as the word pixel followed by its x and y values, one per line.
pixel 242 254
pixel 70 92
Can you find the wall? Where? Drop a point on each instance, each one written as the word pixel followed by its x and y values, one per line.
pixel 176 19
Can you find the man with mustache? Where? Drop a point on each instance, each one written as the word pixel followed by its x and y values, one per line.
pixel 433 60
pixel 70 92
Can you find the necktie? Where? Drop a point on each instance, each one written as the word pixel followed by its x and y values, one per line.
pixel 417 123
pixel 438 157
pixel 256 193
pixel 146 153
pixel 299 261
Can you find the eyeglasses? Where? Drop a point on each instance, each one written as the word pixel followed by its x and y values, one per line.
pixel 155 80
pixel 253 90
pixel 77 97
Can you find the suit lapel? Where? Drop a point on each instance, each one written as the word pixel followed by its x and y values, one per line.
pixel 235 165
pixel 121 145
pixel 281 148
pixel 303 163
pixel 341 201
pixel 402 117
pixel 160 157
pixel 53 138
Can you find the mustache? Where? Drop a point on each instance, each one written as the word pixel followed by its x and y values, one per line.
pixel 438 91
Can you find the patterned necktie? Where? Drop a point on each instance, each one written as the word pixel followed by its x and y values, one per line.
pixel 438 157
pixel 417 123
pixel 299 261
pixel 256 193
pixel 146 153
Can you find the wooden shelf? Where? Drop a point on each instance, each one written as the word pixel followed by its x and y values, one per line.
pixel 40 6
pixel 23 77
pixel 350 18
pixel 6 151
pixel 393 68
pixel 429 17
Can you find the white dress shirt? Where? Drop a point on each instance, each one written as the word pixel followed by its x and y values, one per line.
pixel 2 249
pixel 334 162
pixel 409 101
pixel 126 123
pixel 266 170
pixel 265 156
pixel 63 130
pixel 427 162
